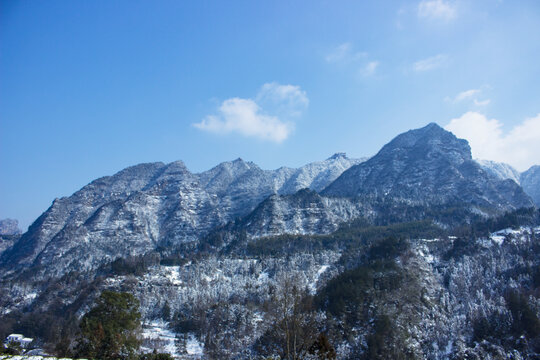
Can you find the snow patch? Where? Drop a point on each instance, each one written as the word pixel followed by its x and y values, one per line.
pixel 157 336
pixel 193 346
pixel 173 275
pixel 31 296
pixel 313 285
pixel 263 278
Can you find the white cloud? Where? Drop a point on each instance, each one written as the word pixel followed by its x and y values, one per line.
pixel 285 100
pixel 344 54
pixel 469 95
pixel 266 117
pixel 369 68
pixel 436 10
pixel 482 102
pixel 430 63
pixel 519 147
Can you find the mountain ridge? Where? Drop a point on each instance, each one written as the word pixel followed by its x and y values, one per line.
pixel 155 205
pixel 427 165
pixel 211 255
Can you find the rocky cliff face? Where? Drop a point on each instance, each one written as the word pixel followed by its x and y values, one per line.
pixel 428 166
pixel 305 212
pixel 151 205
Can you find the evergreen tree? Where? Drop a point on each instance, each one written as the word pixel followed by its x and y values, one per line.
pixel 110 330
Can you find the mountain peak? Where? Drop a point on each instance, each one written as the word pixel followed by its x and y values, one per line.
pixel 430 141
pixel 338 155
pixel 431 130
pixel 426 165
pixel 432 126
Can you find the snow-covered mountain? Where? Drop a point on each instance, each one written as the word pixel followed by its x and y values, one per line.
pixel 156 205
pixel 151 205
pixel 361 249
pixel 530 181
pixel 305 212
pixel 428 166
pixel 500 170
pixel 317 175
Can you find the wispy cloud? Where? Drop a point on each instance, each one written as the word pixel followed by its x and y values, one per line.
pixel 519 147
pixel 482 102
pixel 345 54
pixel 436 10
pixel 431 63
pixel 268 116
pixel 283 100
pixel 369 69
pixel 469 95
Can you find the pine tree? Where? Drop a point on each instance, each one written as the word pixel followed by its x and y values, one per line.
pixel 111 329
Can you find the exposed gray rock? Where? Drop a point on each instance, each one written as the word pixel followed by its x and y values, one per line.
pixel 304 212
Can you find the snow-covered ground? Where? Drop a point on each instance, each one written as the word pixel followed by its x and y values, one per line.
pixel 512 234
pixel 313 284
pixel 233 283
pixel 157 336
pixel 193 347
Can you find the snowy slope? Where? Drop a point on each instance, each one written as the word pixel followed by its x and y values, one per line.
pixel 151 205
pixel 500 170
pixel 428 166
pixel 530 180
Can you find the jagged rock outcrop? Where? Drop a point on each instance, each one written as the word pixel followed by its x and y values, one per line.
pixel 428 166
pixel 530 181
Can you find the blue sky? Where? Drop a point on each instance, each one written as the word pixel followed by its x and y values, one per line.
pixel 90 87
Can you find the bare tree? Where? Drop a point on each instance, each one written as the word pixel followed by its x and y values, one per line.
pixel 295 324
